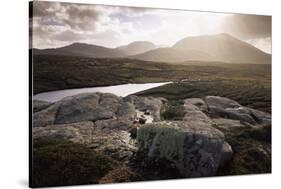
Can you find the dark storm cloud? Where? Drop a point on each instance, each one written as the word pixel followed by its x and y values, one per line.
pixel 248 26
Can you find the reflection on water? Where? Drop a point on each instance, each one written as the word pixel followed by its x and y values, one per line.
pixel 119 90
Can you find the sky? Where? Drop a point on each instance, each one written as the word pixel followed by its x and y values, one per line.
pixel 57 24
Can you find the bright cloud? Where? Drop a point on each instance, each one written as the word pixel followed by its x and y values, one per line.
pixel 58 24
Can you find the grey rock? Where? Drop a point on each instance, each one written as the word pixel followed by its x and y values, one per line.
pixel 146 103
pixel 194 115
pixel 114 143
pixel 260 117
pixel 227 124
pixel 197 102
pixel 220 107
pixel 87 107
pixel 220 102
pixel 126 110
pixel 39 105
pixel 195 150
pixel 110 124
pixel 46 116
pixel 76 132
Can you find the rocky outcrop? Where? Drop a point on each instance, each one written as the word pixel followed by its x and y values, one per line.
pixel 102 107
pixel 194 145
pixel 195 150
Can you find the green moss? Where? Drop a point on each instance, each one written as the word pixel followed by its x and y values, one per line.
pixel 57 163
pixel 252 151
pixel 163 142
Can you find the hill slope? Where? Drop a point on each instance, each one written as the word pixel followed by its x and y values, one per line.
pixel 137 47
pixel 221 48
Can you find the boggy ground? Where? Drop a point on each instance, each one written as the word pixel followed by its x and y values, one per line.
pixel 64 72
pixel 101 138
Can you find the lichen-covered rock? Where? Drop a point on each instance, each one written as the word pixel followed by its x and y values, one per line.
pixel 87 107
pixel 195 150
pixel 126 110
pixel 76 132
pixel 114 143
pixel 39 105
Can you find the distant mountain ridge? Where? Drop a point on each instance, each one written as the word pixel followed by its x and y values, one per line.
pixel 95 51
pixel 207 48
pixel 220 47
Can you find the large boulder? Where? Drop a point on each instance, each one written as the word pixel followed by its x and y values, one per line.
pixel 87 107
pixel 195 150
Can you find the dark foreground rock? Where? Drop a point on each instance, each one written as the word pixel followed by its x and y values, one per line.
pixel 141 138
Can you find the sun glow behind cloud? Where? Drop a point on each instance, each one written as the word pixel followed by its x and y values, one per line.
pixel 58 24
